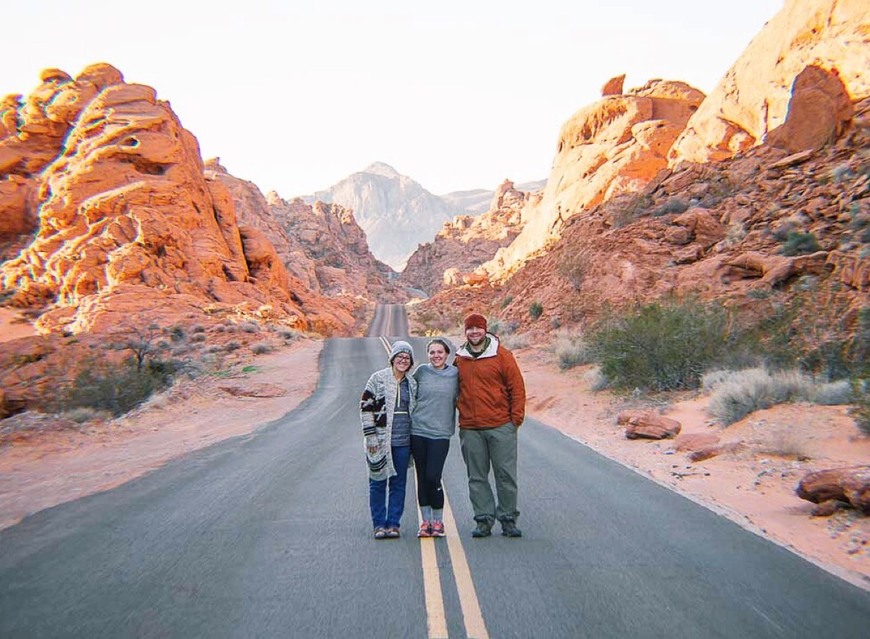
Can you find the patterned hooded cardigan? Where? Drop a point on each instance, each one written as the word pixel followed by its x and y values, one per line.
pixel 376 409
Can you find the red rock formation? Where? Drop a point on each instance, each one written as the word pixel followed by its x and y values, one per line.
pixel 127 220
pixel 753 98
pixel 646 425
pixel 849 485
pixel 320 244
pixel 466 242
pixel 617 145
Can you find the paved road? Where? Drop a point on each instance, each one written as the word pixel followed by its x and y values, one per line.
pixel 268 535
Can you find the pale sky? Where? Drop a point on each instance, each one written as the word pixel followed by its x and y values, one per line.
pixel 456 94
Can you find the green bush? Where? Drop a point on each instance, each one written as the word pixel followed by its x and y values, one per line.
pixel 798 243
pixel 661 346
pixel 118 387
pixel 536 310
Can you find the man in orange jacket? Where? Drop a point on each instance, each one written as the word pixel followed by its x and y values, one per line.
pixel 492 406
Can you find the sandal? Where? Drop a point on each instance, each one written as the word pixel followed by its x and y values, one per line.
pixel 392 533
pixel 380 533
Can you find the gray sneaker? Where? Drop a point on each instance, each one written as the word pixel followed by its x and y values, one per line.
pixel 484 529
pixel 509 529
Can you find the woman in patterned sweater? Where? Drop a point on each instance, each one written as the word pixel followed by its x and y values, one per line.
pixel 385 412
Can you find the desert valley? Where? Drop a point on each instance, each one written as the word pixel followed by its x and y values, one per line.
pixel 688 291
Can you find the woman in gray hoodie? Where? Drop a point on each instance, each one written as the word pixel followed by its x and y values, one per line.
pixel 433 424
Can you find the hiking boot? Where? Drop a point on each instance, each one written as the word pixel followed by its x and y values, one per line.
pixel 425 529
pixel 509 529
pixel 484 529
pixel 437 529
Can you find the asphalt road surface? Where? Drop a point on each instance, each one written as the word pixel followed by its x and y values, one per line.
pixel 268 535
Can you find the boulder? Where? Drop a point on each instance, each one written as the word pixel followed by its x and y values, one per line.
pixel 648 425
pixel 850 485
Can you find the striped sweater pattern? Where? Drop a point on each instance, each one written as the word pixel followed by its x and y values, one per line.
pixel 376 409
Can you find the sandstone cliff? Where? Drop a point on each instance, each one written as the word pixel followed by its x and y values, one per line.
pixel 753 99
pixel 466 242
pixel 614 146
pixel 321 244
pixel 126 223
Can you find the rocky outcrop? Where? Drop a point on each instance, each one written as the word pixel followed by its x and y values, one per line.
pixel 846 485
pixel 127 222
pixel 466 242
pixel 823 38
pixel 646 425
pixel 396 213
pixel 320 244
pixel 615 146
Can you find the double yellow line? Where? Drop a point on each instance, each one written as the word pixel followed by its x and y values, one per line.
pixel 436 617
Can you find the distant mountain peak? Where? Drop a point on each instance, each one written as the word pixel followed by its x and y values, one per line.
pixel 381 168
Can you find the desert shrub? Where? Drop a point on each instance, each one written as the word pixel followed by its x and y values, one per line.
pixel 82 414
pixel 536 309
pixel 198 328
pixel 515 341
pixel 118 387
pixel 660 347
pixel 506 301
pixel 232 346
pixel 198 337
pixel 571 350
pixel 836 393
pixel 860 410
pixel 798 243
pixel 250 327
pixel 494 326
pixel 288 334
pixel 573 266
pixel 261 348
pixel 673 205
pixel 176 333
pixel 627 210
pixel 739 393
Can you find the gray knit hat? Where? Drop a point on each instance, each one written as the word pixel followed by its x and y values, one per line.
pixel 400 346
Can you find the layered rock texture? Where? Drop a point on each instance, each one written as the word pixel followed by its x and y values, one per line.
pixel 126 223
pixel 801 72
pixel 321 244
pixel 612 147
pixel 396 213
pixel 466 242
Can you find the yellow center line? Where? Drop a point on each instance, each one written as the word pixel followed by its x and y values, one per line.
pixel 436 618
pixel 475 628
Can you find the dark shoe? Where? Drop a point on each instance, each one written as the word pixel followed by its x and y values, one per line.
pixel 484 529
pixel 393 533
pixel 380 533
pixel 509 529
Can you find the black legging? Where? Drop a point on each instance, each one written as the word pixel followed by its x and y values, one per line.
pixel 429 456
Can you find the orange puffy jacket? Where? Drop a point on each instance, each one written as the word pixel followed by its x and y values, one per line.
pixel 491 387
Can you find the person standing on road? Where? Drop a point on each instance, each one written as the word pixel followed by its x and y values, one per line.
pixel 385 411
pixel 492 407
pixel 433 424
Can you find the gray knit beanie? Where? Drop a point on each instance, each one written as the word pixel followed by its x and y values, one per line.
pixel 400 346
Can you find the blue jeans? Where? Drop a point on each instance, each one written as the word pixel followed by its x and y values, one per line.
pixel 386 513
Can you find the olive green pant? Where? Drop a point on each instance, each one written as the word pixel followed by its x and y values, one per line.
pixel 494 448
